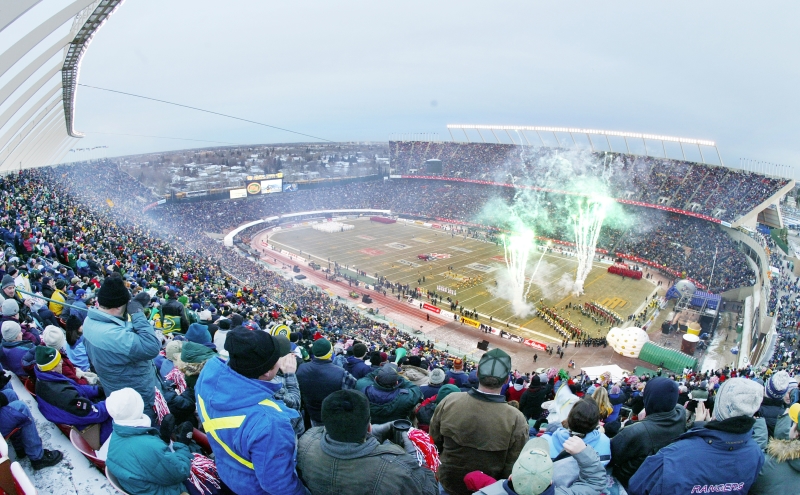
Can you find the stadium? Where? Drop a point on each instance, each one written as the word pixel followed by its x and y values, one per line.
pixel 606 255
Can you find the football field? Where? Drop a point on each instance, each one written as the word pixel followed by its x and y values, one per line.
pixel 470 270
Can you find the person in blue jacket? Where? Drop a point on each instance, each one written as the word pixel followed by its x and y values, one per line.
pixel 250 431
pixel 61 400
pixel 355 364
pixel 141 460
pixel 583 421
pixel 121 343
pixel 725 445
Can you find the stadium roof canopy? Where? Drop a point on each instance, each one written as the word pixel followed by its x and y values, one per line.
pixel 520 131
pixel 39 70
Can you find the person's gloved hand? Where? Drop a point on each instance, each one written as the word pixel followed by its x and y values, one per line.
pixel 184 433
pixel 382 432
pixel 167 427
pixel 134 307
pixel 82 407
pixel 143 298
pixel 408 445
pixel 79 373
pixel 90 377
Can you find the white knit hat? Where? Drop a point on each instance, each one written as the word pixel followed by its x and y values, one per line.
pixel 777 385
pixel 125 405
pixel 737 397
pixel 54 337
pixel 10 330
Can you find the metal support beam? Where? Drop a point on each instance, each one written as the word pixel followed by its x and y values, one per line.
pixel 702 159
pixel 719 156
pixel 15 141
pixel 626 145
pixel 32 137
pixel 22 119
pixel 12 10
pixel 12 85
pixel 27 95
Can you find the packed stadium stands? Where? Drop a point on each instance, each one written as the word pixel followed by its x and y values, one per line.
pixel 706 189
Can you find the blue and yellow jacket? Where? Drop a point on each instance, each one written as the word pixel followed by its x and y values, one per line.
pixel 249 431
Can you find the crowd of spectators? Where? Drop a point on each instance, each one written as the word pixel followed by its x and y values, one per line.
pixel 293 415
pixel 679 184
pixel 684 244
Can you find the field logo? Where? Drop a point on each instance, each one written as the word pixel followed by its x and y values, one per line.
pixel 439 256
pixel 370 251
pixel 613 302
pixel 397 245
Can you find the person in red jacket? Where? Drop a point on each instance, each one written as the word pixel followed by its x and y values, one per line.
pixel 515 391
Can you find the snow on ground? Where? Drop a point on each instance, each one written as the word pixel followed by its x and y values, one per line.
pixel 74 475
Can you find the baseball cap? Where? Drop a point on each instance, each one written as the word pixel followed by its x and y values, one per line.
pixel 495 363
pixel 533 471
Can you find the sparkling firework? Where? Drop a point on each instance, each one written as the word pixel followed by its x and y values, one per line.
pixel 517 248
pixel 586 224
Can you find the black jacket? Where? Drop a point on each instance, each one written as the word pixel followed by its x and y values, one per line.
pixel 771 410
pixel 634 443
pixel 531 401
pixel 174 308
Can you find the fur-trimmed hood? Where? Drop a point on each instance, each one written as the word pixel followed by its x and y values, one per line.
pixel 785 451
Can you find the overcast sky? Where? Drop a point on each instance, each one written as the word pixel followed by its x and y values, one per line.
pixel 361 70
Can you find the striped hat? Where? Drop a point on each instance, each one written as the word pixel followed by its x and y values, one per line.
pixel 47 358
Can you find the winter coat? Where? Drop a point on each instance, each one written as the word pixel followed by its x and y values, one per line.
pixel 357 367
pixel 771 410
pixel 329 467
pixel 531 401
pixel 13 352
pixel 55 394
pixel 594 439
pixel 144 464
pixel 781 471
pixel 592 478
pixel 173 307
pixel 468 441
pixel 388 404
pixel 429 390
pixel 415 374
pixel 254 445
pixel 726 446
pixel 634 443
pixel 122 352
pixel 77 354
pixel 424 413
pixel 457 378
pixel 318 379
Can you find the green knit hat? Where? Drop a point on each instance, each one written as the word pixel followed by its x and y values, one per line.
pixel 183 300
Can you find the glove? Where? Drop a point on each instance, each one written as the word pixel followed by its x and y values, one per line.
pixel 90 377
pixel 167 427
pixel 79 373
pixel 142 298
pixel 184 433
pixel 3 400
pixel 408 445
pixel 382 432
pixel 134 307
pixel 81 407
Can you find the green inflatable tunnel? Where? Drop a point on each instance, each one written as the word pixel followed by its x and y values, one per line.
pixel 672 359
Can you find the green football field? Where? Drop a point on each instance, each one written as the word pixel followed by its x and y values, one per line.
pixel 467 266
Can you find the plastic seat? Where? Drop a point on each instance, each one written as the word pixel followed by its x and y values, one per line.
pixel 113 480
pixel 84 448
pixel 29 385
pixel 7 477
pixel 22 483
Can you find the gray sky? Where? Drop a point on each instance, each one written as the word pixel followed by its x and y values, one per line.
pixel 360 70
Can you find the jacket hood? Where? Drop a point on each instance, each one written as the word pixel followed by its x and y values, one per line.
pixel 225 397
pixel 417 376
pixel 52 376
pixel 347 450
pixel 668 418
pixel 723 440
pixel 785 451
pixel 18 343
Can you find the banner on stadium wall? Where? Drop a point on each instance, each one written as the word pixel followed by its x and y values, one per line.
pixel 470 322
pixel 271 186
pixel 161 201
pixel 431 308
pixel 536 345
pixel 253 188
pixel 238 193
pixel 515 338
pixel 494 331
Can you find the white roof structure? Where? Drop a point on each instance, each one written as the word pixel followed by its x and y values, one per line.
pixel 37 101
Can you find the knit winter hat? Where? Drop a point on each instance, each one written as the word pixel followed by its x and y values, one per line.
pixel 458 364
pixel 183 300
pixel 359 350
pixel 11 330
pixel 322 349
pixel 10 307
pixel 47 358
pixel 660 395
pixel 195 353
pixel 736 397
pixel 436 377
pixel 224 324
pixel 444 391
pixel 113 293
pixel 533 471
pixel 346 416
pixel 777 385
pixel 54 337
pixel 236 320
pixel 198 333
pixel 7 281
pixel 495 363
pixel 125 405
pixel 204 315
pixel 254 352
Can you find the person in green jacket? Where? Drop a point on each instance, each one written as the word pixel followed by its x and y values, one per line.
pixel 390 395
pixel 141 461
